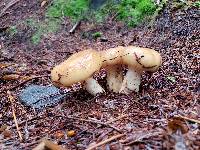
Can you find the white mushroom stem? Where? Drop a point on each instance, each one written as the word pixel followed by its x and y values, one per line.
pixel 114 77
pixel 131 81
pixel 93 87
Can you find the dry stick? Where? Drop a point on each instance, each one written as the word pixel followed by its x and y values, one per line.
pixel 8 6
pixel 190 119
pixel 22 122
pixel 14 116
pixel 96 122
pixel 75 26
pixel 23 82
pixel 105 141
pixel 147 135
pixel 116 119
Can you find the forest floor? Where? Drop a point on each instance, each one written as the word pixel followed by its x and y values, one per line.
pixel 165 113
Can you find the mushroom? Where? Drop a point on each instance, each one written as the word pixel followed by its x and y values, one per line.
pixel 138 60
pixel 112 60
pixel 80 67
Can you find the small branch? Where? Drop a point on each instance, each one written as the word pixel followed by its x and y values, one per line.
pixel 96 122
pixel 75 26
pixel 139 138
pixel 189 119
pixel 116 119
pixel 106 141
pixel 8 6
pixel 14 116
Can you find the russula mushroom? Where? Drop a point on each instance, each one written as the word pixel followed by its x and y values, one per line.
pixel 112 60
pixel 138 60
pixel 80 67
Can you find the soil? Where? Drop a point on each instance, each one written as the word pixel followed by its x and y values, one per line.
pixel 147 119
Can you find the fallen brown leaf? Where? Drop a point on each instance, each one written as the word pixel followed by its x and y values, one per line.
pixel 7 133
pixel 71 133
pixel 177 123
pixel 48 145
pixel 59 134
pixel 11 77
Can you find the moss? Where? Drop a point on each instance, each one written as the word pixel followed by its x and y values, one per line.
pixel 132 12
pixel 71 8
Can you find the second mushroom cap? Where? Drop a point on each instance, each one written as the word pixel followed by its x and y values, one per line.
pixel 77 68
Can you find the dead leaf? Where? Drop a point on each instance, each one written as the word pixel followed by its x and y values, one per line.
pixel 11 77
pixel 59 134
pixel 4 65
pixel 71 133
pixel 47 145
pixel 177 123
pixel 7 133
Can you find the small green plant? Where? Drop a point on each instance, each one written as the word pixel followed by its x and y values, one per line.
pixel 96 35
pixel 12 30
pixel 197 4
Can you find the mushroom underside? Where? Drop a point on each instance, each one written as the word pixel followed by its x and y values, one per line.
pixel 114 77
pixel 131 81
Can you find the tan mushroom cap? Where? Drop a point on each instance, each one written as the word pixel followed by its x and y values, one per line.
pixel 77 68
pixel 142 59
pixel 112 56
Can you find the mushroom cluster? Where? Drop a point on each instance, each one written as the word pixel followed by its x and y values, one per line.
pixel 81 67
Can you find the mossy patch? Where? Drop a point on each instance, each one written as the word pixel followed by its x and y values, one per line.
pixel 132 12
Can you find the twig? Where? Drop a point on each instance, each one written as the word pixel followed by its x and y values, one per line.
pixel 190 119
pixel 14 116
pixel 110 121
pixel 8 6
pixel 96 122
pixel 23 82
pixel 75 26
pixel 105 141
pixel 26 121
pixel 139 138
pixel 116 119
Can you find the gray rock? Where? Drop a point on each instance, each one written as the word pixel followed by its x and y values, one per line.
pixel 38 96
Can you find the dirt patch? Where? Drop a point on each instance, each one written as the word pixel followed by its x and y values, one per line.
pixel 173 90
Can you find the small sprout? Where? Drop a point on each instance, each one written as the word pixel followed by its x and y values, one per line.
pixel 172 79
pixel 12 30
pixel 71 133
pixel 96 35
pixel 197 4
pixel 35 39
